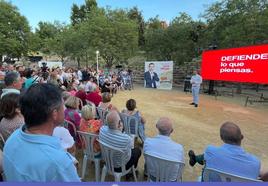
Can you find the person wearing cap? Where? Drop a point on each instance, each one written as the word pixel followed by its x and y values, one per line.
pixel 13 83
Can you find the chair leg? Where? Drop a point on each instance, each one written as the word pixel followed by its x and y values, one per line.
pixel 97 169
pixel 103 174
pixel 84 166
pixel 134 173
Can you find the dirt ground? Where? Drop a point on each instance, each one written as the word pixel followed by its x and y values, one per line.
pixel 195 128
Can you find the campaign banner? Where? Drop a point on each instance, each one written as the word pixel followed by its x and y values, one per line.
pixel 245 64
pixel 158 74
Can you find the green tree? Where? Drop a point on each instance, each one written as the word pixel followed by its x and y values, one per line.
pixel 112 33
pixel 14 31
pixel 79 14
pixel 236 23
pixel 47 32
pixel 136 15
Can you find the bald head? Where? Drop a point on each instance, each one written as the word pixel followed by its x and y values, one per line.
pixel 164 126
pixel 231 133
pixel 113 120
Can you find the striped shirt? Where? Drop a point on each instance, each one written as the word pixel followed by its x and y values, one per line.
pixel 117 139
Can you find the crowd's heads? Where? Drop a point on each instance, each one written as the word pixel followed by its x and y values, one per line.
pixel 113 120
pixel 13 80
pixel 42 103
pixel 164 126
pixel 230 133
pixel 9 105
pixel 65 95
pixel 106 97
pixel 81 87
pixel 72 102
pixel 88 112
pixel 131 104
pixel 28 73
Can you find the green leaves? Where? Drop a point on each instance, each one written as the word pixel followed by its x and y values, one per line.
pixel 14 31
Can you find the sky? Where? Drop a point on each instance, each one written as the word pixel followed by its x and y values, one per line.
pixel 60 10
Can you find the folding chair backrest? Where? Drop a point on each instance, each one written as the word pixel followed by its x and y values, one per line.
pixel 163 170
pixel 130 123
pixel 210 174
pixel 71 127
pixel 110 154
pixel 102 113
pixel 88 140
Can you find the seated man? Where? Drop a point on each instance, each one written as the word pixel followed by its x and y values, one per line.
pixel 230 157
pixel 154 146
pixel 119 140
pixel 31 153
pixel 162 145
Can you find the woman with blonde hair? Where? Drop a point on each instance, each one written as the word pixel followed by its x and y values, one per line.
pixel 90 124
pixel 71 112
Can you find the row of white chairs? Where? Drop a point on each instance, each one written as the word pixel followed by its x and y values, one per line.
pixel 158 169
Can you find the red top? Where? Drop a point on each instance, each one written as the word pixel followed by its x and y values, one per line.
pixel 94 97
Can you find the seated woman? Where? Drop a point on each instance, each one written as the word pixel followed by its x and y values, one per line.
pixel 10 114
pixel 71 112
pixel 131 110
pixel 90 124
pixel 106 102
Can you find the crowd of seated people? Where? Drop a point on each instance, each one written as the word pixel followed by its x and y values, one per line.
pixel 33 112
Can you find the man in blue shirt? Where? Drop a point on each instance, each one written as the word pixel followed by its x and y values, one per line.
pixel 230 157
pixel 31 153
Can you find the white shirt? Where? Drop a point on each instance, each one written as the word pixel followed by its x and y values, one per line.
pixel 79 74
pixel 196 80
pixel 66 140
pixel 163 147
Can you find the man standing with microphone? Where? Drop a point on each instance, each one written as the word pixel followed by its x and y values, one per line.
pixel 196 81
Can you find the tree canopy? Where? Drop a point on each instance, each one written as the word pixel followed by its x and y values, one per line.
pixel 121 34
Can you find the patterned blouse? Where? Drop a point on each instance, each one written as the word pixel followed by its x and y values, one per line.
pixel 92 126
pixel 8 126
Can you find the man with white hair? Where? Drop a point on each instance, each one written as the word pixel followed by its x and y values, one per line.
pixel 162 145
pixel 113 136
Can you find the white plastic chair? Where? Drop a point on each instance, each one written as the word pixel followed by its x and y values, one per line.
pixel 102 114
pixel 89 139
pixel 109 154
pixel 162 170
pixel 131 124
pixel 210 174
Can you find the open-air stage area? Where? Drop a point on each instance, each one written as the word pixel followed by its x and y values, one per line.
pixel 195 128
